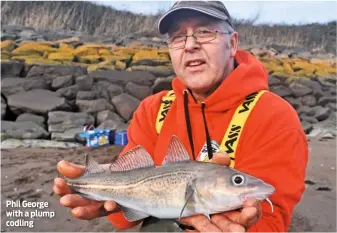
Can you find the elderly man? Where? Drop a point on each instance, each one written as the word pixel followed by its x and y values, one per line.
pixel 215 83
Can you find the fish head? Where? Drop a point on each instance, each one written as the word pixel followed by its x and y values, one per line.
pixel 229 189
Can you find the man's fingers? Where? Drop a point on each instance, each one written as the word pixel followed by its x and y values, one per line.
pixel 200 223
pixel 60 187
pixel 89 212
pixel 246 218
pixel 69 169
pixel 225 224
pixel 110 205
pixel 221 158
pixel 75 200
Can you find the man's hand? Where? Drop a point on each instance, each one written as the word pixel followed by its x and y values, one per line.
pixel 81 208
pixel 231 221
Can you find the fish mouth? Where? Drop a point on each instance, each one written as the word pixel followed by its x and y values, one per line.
pixel 261 194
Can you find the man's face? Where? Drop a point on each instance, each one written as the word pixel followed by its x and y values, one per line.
pixel 201 67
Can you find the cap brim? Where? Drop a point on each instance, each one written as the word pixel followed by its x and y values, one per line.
pixel 163 24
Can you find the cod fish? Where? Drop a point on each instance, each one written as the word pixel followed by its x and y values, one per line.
pixel 179 188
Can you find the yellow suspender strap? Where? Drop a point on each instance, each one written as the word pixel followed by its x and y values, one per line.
pixel 165 105
pixel 232 136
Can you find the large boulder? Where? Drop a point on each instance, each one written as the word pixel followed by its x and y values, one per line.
pixel 40 120
pixel 162 84
pixel 295 102
pixel 84 82
pixel 86 95
pixel 22 130
pixel 59 121
pixel 69 92
pixel 39 143
pixel 123 77
pixel 10 86
pixel 56 70
pixel 306 110
pixel 38 102
pixel 3 108
pixel 11 68
pixel 93 106
pixel 325 100
pixel 273 81
pixel 125 105
pixel 114 90
pixel 138 91
pixel 158 71
pixel 62 82
pixel 113 125
pixel 300 90
pixel 321 113
pixel 308 100
pixel 107 115
pixel 281 90
pixel 66 136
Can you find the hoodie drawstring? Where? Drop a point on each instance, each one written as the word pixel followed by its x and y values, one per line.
pixel 189 127
pixel 208 138
pixel 188 122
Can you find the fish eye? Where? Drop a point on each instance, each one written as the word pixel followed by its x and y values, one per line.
pixel 238 179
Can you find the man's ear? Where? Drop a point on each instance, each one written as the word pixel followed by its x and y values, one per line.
pixel 234 40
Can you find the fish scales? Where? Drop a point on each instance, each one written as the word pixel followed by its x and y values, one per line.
pixel 179 188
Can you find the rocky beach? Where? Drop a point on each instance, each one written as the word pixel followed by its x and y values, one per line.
pixel 56 81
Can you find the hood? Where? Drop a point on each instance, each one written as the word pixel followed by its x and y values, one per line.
pixel 248 77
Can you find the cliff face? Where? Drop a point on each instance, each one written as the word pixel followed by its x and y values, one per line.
pixel 93 19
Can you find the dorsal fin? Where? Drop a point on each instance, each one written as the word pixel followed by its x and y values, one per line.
pixel 133 159
pixel 92 166
pixel 176 151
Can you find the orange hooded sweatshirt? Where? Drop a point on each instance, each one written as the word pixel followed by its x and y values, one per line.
pixel 272 146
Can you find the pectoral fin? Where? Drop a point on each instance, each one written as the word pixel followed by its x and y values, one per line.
pixel 189 198
pixel 133 215
pixel 193 201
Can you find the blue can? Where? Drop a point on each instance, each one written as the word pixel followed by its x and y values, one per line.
pixel 121 138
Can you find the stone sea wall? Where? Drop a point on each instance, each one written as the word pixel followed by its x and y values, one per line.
pixel 51 89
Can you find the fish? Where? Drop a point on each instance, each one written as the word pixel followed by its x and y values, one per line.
pixel 180 187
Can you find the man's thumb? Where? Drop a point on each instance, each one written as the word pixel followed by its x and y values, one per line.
pixel 69 169
pixel 221 158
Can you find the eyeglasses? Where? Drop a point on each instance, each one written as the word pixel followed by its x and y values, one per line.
pixel 201 36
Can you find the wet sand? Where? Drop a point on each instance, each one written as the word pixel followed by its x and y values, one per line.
pixel 28 174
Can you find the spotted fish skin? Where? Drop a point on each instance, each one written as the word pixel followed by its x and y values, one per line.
pixel 179 188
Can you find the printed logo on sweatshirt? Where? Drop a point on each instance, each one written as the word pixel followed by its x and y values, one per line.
pixel 232 138
pixel 247 102
pixel 203 155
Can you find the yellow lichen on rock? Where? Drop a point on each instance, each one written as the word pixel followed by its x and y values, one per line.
pixel 302 67
pixel 124 51
pixel 85 51
pixel 7 45
pixel 41 60
pixel 25 57
pixel 148 55
pixel 66 48
pixel 5 56
pixel 90 59
pixel 31 48
pixel 272 65
pixel 61 56
pixel 114 58
pixel 104 51
pixel 120 65
pixel 101 65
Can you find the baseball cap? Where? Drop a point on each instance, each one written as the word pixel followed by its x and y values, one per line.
pixel 212 8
